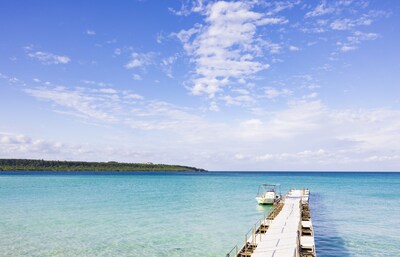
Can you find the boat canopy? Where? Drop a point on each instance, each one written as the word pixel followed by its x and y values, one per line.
pixel 267 188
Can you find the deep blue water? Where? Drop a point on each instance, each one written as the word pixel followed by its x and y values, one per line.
pixel 187 214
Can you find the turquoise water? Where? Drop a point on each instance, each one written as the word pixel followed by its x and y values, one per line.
pixel 160 214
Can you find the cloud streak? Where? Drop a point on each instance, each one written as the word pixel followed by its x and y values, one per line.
pixel 46 57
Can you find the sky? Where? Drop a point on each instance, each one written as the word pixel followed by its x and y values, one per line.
pixel 222 85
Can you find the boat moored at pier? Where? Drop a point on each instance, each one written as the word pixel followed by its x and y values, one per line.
pixel 268 194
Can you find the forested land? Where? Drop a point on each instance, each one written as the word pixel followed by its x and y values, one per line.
pixel 43 165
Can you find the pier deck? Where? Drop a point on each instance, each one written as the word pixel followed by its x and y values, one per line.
pixel 281 236
pixel 287 232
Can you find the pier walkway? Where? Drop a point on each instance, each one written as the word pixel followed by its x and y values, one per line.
pixel 281 236
pixel 286 233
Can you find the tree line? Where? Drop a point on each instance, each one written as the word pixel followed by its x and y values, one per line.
pixel 44 165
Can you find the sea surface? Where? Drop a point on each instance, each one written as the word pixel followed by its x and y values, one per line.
pixel 187 214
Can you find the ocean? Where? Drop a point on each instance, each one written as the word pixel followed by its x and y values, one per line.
pixel 188 214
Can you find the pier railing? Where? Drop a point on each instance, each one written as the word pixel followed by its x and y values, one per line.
pixel 250 238
pixel 254 233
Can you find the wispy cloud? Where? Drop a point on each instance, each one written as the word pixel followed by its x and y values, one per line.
pixel 97 83
pixel 46 57
pixel 239 100
pixel 339 15
pixel 109 105
pixel 271 92
pixel 136 77
pixel 279 6
pixel 139 60
pixel 320 10
pixel 355 39
pixel 166 65
pixel 90 32
pixel 347 24
pixel 76 99
pixel 295 134
pixel 187 7
pixel 294 48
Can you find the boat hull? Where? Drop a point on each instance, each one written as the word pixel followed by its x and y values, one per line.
pixel 262 200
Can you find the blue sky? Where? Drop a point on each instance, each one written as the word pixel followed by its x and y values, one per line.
pixel 235 85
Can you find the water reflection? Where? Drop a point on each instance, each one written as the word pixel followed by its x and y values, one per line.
pixel 328 242
pixel 264 208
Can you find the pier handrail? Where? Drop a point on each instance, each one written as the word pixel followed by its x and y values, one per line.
pixel 233 251
pixel 297 253
pixel 251 235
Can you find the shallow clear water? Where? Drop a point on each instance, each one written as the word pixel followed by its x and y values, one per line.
pixel 171 214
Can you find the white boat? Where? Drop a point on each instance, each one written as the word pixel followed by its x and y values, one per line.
pixel 267 194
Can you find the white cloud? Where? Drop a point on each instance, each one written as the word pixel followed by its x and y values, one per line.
pixel 108 90
pixel 166 65
pixel 341 24
pixel 117 51
pixel 214 107
pixel 139 60
pixel 347 48
pixel 300 118
pixel 294 48
pixel 77 100
pixel 112 106
pixel 320 10
pixel 239 156
pixel 49 58
pixel 279 6
pixel 159 38
pixel 315 30
pixel 357 18
pixel 271 21
pixel 347 24
pixel 26 147
pixel 136 77
pixel 188 7
pixel 226 50
pixel 359 36
pixel 274 48
pixel 111 41
pixel 311 95
pixel 131 96
pixel 354 138
pixel 241 91
pixel 96 83
pixel 13 139
pixel 238 100
pixel 298 156
pixel 355 39
pixel 90 32
pixel 22 146
pixel 271 92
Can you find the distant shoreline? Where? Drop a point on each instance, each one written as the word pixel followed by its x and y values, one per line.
pixel 35 165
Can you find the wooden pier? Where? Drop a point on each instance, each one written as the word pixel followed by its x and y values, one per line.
pixel 286 232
